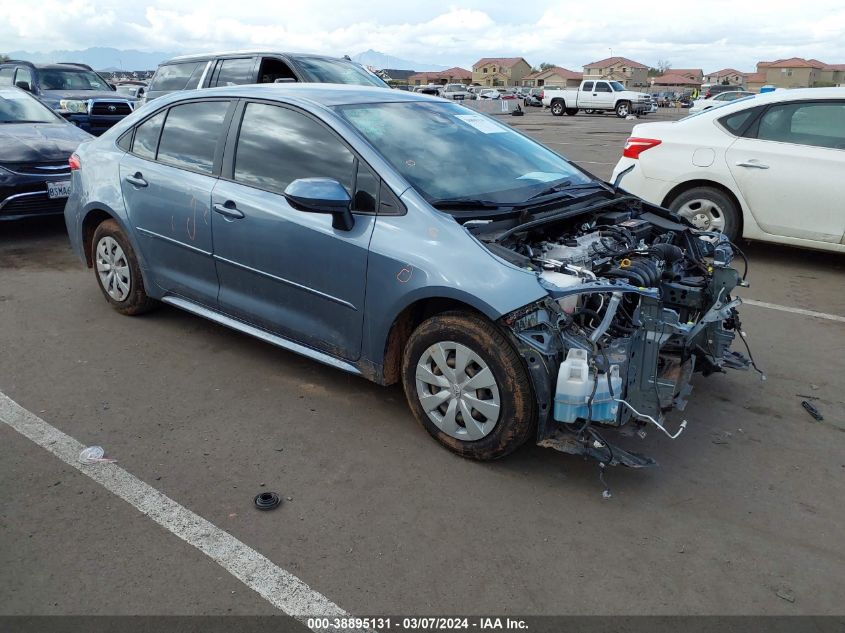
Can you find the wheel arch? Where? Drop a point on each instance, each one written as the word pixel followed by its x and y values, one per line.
pixel 407 321
pixel 90 221
pixel 678 189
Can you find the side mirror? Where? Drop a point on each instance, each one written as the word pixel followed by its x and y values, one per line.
pixel 24 85
pixel 322 195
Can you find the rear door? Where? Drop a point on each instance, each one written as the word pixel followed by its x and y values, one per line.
pixel 166 180
pixel 585 95
pixel 790 168
pixel 281 269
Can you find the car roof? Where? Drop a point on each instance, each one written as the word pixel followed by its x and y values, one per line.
pixel 777 96
pixel 320 94
pixel 204 56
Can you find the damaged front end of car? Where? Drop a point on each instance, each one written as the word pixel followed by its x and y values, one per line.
pixel 637 303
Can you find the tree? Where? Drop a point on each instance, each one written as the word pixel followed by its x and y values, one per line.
pixel 664 65
pixel 3 58
pixel 546 66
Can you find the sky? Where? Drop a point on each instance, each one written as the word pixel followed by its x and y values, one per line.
pixel 707 34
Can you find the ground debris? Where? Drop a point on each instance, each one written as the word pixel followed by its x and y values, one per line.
pixel 785 593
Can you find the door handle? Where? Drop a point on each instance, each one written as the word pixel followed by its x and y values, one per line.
pixel 137 180
pixel 229 210
pixel 751 163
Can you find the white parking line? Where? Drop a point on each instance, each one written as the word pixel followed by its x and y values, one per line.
pixel 279 587
pixel 812 313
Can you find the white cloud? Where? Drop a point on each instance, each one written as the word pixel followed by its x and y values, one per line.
pixel 709 34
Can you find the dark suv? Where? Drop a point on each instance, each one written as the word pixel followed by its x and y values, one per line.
pixel 191 72
pixel 74 90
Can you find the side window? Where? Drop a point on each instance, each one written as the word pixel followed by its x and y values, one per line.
pixel 24 74
pixel 737 122
pixel 234 72
pixel 602 86
pixel 366 190
pixel 588 86
pixel 173 76
pixel 146 136
pixel 190 135
pixel 276 146
pixel 6 76
pixel 272 69
pixel 194 80
pixel 815 124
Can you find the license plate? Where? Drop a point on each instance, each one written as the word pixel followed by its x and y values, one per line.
pixel 58 189
pixel 459 97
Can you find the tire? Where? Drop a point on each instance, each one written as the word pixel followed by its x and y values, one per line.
pixel 112 252
pixel 557 108
pixel 588 111
pixel 506 377
pixel 709 208
pixel 623 109
pixel 571 111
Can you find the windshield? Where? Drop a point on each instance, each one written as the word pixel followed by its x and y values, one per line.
pixel 19 107
pixel 339 71
pixel 61 79
pixel 617 87
pixel 455 88
pixel 449 152
pixel 128 90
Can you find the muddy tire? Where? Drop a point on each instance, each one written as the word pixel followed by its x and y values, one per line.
pixel 557 108
pixel 117 271
pixel 484 379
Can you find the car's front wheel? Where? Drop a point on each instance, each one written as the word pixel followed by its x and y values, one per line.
pixel 466 384
pixel 708 209
pixel 623 109
pixel 117 271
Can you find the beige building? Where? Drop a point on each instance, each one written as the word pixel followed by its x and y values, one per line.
pixel 629 73
pixel 673 82
pixel 454 75
pixel 797 72
pixel 500 71
pixel 554 76
pixel 730 76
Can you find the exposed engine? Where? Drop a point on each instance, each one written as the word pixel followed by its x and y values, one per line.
pixel 638 302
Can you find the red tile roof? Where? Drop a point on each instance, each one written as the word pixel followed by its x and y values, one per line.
pixel 559 70
pixel 726 71
pixel 756 78
pixel 836 67
pixel 604 63
pixel 685 71
pixel 507 62
pixel 675 79
pixel 793 62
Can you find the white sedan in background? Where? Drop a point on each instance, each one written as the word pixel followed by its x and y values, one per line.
pixel 769 167
pixel 720 99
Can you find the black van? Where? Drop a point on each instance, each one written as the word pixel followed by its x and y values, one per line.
pixel 191 72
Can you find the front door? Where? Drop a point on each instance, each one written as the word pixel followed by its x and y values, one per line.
pixel 791 172
pixel 166 179
pixel 285 270
pixel 603 97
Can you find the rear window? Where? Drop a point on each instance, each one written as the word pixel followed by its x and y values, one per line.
pixel 173 76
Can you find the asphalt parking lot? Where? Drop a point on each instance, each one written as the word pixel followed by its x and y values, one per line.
pixel 744 515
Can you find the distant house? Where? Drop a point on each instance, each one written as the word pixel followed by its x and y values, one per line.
pixel 755 81
pixel 454 75
pixel 691 73
pixel 554 76
pixel 629 73
pixel 729 76
pixel 797 72
pixel 500 71
pixel 674 82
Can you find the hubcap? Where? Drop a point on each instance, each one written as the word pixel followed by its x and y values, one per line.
pixel 704 214
pixel 113 269
pixel 623 110
pixel 458 391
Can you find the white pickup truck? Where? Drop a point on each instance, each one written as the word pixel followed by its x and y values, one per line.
pixel 598 95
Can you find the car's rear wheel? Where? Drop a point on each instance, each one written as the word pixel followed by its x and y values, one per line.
pixel 571 111
pixel 623 109
pixel 708 209
pixel 117 271
pixel 467 386
pixel 557 108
